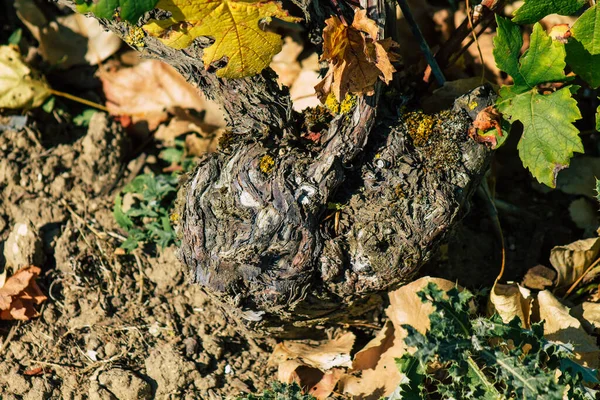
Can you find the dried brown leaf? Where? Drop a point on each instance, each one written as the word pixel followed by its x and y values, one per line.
pixel 375 372
pixel 509 301
pixel 560 326
pixel 571 261
pixel 356 58
pixel 335 353
pixel 20 294
pixel 150 89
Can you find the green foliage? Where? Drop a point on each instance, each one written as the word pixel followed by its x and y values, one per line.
pixel 280 391
pixel 587 30
pixel 176 155
pixel 598 189
pixel 130 10
pixel 534 10
pixel 462 357
pixel 148 218
pixel 549 136
pixel 598 119
pixel 15 37
pixel 84 118
pixel 583 63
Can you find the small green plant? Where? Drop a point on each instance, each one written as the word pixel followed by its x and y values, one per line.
pixel 279 391
pixel 148 219
pixel 541 97
pixel 462 357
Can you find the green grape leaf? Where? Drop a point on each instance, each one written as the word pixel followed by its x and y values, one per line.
pixel 583 63
pixel 534 10
pixel 549 136
pixel 544 61
pixel 130 10
pixel 587 30
pixel 507 47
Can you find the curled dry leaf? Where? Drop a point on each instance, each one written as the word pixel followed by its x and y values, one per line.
pixel 335 353
pixel 510 301
pixel 316 369
pixel 571 261
pixel 356 58
pixel 20 294
pixel 374 368
pixel 560 326
pixel 588 314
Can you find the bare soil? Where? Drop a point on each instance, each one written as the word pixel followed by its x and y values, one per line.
pixel 114 326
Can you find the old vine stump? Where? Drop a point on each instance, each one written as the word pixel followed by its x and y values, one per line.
pixel 257 239
pixel 256 225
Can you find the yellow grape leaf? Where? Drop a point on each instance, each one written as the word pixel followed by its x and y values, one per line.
pixel 20 87
pixel 356 58
pixel 233 24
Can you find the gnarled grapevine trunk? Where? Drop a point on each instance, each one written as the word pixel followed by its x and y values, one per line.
pixel 257 226
pixel 259 240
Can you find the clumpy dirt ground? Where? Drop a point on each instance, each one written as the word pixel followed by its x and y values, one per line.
pixel 114 326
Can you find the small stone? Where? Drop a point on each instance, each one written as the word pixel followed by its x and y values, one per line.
pixel 125 385
pixel 24 247
pixel 110 349
pixel 191 346
pixel 205 383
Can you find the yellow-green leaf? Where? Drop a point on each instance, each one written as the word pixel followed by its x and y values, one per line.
pixel 234 25
pixel 587 30
pixel 549 136
pixel 20 87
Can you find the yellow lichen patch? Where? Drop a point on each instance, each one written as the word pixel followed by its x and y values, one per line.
pixel 135 37
pixel 473 105
pixel 266 164
pixel 332 104
pixel 174 218
pixel 420 126
pixel 340 108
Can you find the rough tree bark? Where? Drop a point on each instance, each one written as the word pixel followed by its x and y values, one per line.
pixel 260 240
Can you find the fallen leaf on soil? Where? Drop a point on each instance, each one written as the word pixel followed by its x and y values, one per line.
pixel 315 368
pixel 539 277
pixel 510 301
pixel 335 353
pixel 374 367
pixel 571 261
pixel 588 314
pixel 356 58
pixel 312 380
pixel 20 86
pixel 560 326
pixel 20 294
pixel 151 89
pixel 234 25
pixel 183 122
pixel 68 40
